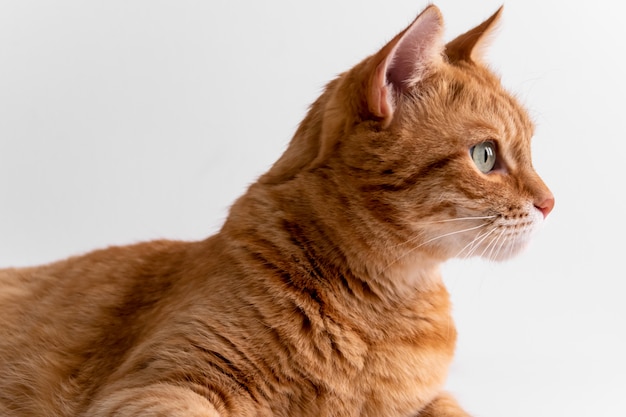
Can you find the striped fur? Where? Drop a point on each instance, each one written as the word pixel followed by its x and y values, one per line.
pixel 321 294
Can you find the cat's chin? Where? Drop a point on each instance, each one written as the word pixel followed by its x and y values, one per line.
pixel 504 237
pixel 514 237
pixel 512 245
pixel 508 251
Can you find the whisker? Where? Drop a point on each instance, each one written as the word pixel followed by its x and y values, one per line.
pixel 493 244
pixel 458 219
pixel 469 218
pixel 511 248
pixel 502 243
pixel 475 243
pixel 445 221
pixel 451 233
pixel 489 246
pixel 432 240
pixel 478 244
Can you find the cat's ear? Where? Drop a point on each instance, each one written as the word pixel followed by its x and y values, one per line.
pixel 470 46
pixel 369 91
pixel 405 60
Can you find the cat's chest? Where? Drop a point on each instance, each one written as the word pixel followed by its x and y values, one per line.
pixel 396 376
pixel 395 381
pixel 401 378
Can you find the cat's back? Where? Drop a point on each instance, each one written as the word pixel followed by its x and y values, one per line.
pixel 94 278
pixel 67 325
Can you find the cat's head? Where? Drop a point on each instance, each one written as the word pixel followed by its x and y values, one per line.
pixel 422 138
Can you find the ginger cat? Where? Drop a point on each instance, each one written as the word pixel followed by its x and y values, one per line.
pixel 321 294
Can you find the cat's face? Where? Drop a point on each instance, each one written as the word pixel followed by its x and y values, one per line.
pixel 454 168
pixel 425 149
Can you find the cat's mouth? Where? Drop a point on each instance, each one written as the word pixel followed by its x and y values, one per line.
pixel 503 236
pixel 496 236
pixel 507 241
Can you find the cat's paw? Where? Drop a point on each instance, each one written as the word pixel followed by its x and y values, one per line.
pixel 444 405
pixel 152 401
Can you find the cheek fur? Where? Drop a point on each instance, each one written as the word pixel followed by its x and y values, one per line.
pixel 473 215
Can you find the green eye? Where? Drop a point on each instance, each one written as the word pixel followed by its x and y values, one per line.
pixel 484 156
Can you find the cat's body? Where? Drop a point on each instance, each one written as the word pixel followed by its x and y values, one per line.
pixel 321 295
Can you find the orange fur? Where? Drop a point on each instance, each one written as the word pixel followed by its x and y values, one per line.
pixel 321 295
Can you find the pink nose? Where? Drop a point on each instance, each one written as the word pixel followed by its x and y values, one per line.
pixel 545 205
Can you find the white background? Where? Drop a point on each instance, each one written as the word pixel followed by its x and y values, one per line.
pixel 123 121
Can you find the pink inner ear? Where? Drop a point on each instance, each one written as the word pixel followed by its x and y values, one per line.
pixel 417 50
pixel 380 102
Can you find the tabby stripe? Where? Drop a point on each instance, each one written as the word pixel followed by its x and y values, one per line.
pixel 228 369
pixel 456 90
pixel 410 181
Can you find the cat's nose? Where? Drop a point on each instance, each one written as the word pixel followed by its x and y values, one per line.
pixel 545 204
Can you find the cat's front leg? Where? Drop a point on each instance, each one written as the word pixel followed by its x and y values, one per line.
pixel 152 401
pixel 444 405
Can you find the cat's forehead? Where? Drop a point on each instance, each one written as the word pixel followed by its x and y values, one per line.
pixel 461 107
pixel 474 98
pixel 489 112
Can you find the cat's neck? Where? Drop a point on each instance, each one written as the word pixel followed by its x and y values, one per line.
pixel 303 219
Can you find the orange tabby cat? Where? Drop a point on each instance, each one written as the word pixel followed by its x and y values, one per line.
pixel 321 294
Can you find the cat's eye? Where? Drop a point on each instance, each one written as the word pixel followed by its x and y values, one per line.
pixel 484 156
